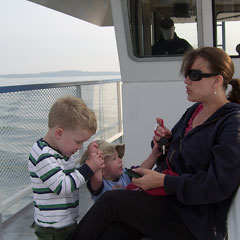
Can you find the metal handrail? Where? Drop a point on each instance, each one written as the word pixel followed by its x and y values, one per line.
pixel 29 87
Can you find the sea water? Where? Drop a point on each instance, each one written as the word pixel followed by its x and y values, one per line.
pixel 42 80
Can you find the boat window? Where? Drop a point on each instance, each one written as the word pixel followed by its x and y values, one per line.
pixel 162 28
pixel 227 24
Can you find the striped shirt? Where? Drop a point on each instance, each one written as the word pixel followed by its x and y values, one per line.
pixel 55 183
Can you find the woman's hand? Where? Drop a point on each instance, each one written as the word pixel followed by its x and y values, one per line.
pixel 150 179
pixel 155 150
pixel 161 131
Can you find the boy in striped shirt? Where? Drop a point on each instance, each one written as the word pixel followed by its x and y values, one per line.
pixel 54 176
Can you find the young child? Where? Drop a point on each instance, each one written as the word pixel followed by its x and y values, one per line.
pixel 54 176
pixel 112 176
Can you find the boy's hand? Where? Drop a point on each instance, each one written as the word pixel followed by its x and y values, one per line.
pixel 95 161
pixel 96 180
pixel 97 177
pixel 93 147
pixel 98 174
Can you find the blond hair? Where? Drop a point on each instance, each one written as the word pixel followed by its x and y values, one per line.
pixel 107 149
pixel 71 113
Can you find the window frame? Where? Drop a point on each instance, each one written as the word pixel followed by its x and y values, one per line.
pixel 155 58
pixel 215 32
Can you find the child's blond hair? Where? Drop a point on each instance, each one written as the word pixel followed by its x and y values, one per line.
pixel 71 113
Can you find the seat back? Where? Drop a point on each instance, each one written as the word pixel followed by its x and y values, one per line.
pixel 234 218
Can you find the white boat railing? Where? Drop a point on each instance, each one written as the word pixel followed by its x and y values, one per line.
pixel 23 120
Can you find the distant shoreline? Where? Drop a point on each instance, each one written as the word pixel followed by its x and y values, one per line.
pixel 65 73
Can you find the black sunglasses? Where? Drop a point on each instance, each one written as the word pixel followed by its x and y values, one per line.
pixel 197 75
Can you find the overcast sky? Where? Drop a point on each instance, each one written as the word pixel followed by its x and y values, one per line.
pixel 36 39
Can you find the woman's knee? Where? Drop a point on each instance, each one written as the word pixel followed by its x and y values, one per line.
pixel 112 196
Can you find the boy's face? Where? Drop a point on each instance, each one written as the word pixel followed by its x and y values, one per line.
pixel 70 141
pixel 113 167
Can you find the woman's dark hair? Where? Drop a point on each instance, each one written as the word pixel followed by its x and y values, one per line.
pixel 219 62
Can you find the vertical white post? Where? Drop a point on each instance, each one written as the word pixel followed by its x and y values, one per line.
pixel 79 91
pixel 119 97
pixel 1 232
pixel 79 95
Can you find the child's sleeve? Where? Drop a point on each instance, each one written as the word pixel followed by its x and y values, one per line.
pixel 54 178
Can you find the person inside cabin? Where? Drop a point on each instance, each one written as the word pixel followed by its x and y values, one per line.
pixel 169 43
pixel 113 175
pixel 54 177
pixel 203 151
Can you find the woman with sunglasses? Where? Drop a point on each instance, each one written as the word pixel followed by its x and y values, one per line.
pixel 203 152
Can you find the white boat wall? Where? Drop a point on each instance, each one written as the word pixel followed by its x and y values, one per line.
pixel 152 85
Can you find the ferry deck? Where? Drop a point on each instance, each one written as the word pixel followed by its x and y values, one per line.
pixel 151 85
